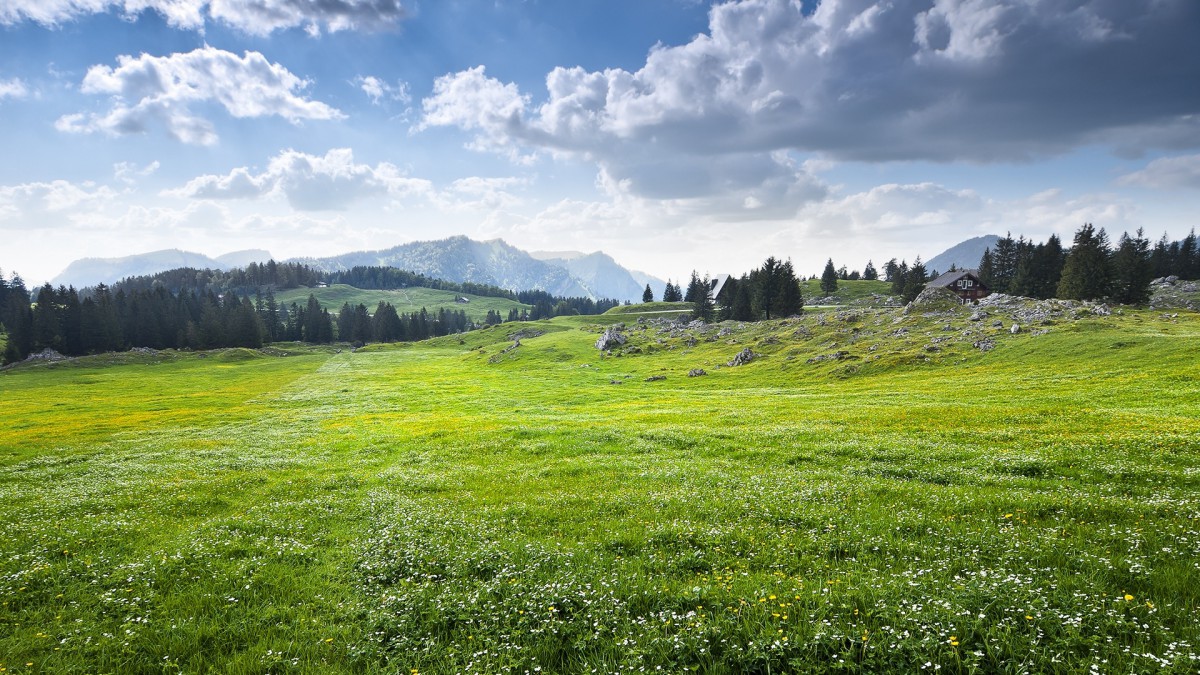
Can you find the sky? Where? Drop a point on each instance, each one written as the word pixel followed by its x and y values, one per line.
pixel 674 135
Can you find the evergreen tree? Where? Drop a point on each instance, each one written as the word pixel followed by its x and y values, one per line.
pixel 766 288
pixel 1187 260
pixel 899 278
pixel 742 308
pixel 829 278
pixel 703 307
pixel 869 273
pixel 914 281
pixel 648 294
pixel 987 270
pixel 790 298
pixel 693 288
pixel 1160 260
pixel 672 293
pixel 1086 274
pixel 1132 270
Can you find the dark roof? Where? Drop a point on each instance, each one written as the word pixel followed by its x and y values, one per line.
pixel 946 280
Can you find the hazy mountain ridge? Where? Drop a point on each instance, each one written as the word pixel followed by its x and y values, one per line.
pixel 91 271
pixel 461 259
pixel 963 255
pixel 606 278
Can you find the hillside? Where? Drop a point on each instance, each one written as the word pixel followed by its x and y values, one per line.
pixel 963 255
pixel 404 300
pixel 883 489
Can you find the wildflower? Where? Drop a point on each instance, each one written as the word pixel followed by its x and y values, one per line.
pixel 953 640
pixel 1128 597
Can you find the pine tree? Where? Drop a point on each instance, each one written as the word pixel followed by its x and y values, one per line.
pixel 741 308
pixel 790 298
pixel 829 278
pixel 1086 274
pixel 703 307
pixel 899 277
pixel 987 270
pixel 869 273
pixel 648 294
pixel 914 281
pixel 1132 270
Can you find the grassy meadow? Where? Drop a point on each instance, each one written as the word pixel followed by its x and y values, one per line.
pixel 875 491
pixel 405 300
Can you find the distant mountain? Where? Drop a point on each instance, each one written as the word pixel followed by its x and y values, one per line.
pixel 606 279
pixel 92 271
pixel 963 255
pixel 461 259
pixel 243 258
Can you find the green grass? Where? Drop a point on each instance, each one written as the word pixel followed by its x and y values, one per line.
pixel 405 300
pixel 461 505
pixel 859 292
pixel 651 310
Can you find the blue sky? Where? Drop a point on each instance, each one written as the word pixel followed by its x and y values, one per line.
pixel 672 134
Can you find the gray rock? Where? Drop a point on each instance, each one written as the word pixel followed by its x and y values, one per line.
pixel 656 378
pixel 743 357
pixel 1016 328
pixel 696 372
pixel 612 337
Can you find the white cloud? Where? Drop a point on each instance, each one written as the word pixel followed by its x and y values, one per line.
pixel 13 88
pixel 256 17
pixel 378 90
pixel 892 210
pixel 151 91
pixel 51 204
pixel 309 182
pixel 1167 173
pixel 859 80
pixel 130 173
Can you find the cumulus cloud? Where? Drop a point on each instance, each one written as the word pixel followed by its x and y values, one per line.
pixel 1167 173
pixel 151 91
pixel 256 17
pixel 944 80
pixel 51 204
pixel 309 182
pixel 12 88
pixel 892 209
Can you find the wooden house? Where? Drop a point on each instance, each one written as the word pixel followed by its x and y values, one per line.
pixel 963 283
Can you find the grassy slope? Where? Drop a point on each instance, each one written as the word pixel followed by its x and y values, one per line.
pixel 452 506
pixel 848 292
pixel 405 300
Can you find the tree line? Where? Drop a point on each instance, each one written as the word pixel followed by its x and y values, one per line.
pixel 73 324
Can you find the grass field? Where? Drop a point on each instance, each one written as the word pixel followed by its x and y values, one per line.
pixel 875 491
pixel 406 300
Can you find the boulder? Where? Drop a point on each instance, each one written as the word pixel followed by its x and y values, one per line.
pixel 656 378
pixel 612 337
pixel 743 357
pixel 696 372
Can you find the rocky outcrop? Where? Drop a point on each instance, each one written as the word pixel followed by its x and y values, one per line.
pixel 742 358
pixel 610 339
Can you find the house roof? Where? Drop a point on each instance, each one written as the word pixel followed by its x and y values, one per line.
pixel 948 279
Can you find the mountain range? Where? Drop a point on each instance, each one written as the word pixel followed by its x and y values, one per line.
pixel 92 271
pixel 495 262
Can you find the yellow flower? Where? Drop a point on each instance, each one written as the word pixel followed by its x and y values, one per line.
pixel 1128 597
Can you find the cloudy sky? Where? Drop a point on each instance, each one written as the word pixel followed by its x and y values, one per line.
pixel 672 134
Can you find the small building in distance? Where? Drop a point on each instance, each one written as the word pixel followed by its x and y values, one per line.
pixel 963 283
